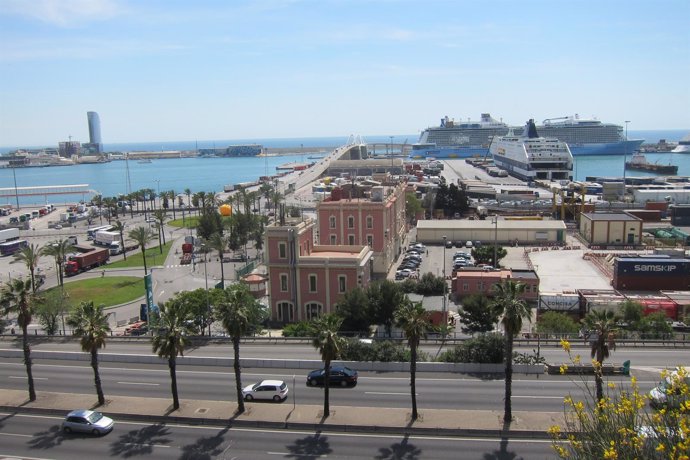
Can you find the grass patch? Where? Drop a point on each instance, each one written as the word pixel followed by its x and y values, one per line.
pixel 109 291
pixel 189 222
pixel 136 259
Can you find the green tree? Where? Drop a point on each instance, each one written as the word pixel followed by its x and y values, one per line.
pixel 655 326
pixel 58 250
pixel 507 303
pixel 219 243
pixel 90 322
pixel 161 217
pixel 120 228
pixel 143 236
pixel 198 302
pixel 18 298
pixel 50 308
pixel 554 322
pixel 238 312
pixel 485 254
pixel 412 206
pixel 383 298
pixel 476 315
pixel 353 308
pixel 329 344
pixel 30 256
pixel 430 284
pixel 601 327
pixel 171 340
pixel 415 323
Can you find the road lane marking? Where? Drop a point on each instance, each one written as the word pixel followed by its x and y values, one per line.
pixel 539 397
pixel 24 377
pixel 140 383
pixel 17 435
pixel 387 393
pixel 140 444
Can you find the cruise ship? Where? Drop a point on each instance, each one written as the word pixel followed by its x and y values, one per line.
pixel 683 145
pixel 589 136
pixel 531 157
pixel 453 139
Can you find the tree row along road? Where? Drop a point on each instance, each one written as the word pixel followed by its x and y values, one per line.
pixel 40 437
pixel 544 393
pixel 655 357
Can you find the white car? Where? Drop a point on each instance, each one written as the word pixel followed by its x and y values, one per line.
pixel 87 421
pixel 271 390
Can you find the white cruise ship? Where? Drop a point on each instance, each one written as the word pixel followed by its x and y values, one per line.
pixel 683 146
pixel 531 157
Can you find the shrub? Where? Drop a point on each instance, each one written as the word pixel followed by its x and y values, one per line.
pixel 383 351
pixel 486 348
pixel 301 329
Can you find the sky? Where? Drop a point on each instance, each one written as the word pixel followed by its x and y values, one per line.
pixel 172 70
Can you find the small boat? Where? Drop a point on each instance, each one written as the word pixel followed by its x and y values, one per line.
pixel 145 160
pixel 639 162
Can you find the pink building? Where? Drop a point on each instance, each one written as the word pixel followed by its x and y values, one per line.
pixel 479 281
pixel 371 215
pixel 306 280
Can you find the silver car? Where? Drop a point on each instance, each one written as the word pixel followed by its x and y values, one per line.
pixel 275 390
pixel 87 421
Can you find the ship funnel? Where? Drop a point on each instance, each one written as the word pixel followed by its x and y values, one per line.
pixel 531 129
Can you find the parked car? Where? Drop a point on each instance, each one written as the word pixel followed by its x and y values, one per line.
pixel 449 244
pixel 413 257
pixel 87 421
pixel 403 273
pixel 477 244
pixel 340 375
pixel 459 244
pixel 468 244
pixel 271 390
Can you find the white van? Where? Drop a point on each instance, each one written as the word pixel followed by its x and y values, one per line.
pixel 669 392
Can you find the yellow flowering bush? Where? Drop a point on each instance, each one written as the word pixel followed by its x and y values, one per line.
pixel 621 426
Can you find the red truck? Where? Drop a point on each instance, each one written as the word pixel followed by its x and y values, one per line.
pixel 86 260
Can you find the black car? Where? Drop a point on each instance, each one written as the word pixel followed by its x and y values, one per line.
pixel 340 375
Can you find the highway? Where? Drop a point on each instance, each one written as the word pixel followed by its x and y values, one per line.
pixel 435 391
pixel 39 437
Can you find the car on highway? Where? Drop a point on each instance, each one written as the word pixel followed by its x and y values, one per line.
pixel 87 421
pixel 672 391
pixel 268 390
pixel 340 375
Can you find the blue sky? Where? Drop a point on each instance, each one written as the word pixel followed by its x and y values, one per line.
pixel 182 70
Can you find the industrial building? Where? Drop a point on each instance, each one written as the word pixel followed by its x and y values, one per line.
pixel 611 229
pixel 498 229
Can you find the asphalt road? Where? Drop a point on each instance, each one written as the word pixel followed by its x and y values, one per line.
pixel 436 391
pixel 39 437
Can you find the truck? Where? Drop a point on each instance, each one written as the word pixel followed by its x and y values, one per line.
pixel 9 234
pixel 84 261
pixel 106 238
pixel 115 247
pixel 482 212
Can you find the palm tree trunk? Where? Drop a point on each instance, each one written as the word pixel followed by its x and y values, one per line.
pixel 33 281
pixel 508 407
pixel 172 364
pixel 599 381
pixel 326 387
pixel 238 374
pixel 97 376
pixel 143 253
pixel 27 362
pixel 413 384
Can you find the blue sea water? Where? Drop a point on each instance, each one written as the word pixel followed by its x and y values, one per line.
pixel 212 174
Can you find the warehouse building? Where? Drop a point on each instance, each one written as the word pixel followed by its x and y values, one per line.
pixel 611 229
pixel 500 230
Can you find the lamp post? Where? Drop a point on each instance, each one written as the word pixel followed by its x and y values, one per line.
pixel 625 156
pixel 445 283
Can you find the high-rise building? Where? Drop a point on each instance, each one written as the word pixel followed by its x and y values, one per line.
pixel 95 143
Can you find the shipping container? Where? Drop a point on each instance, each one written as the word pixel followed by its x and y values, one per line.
pixel 680 210
pixel 654 304
pixel 651 283
pixel 559 302
pixel 654 267
pixel 647 215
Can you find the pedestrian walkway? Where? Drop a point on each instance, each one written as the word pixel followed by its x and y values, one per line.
pixel 288 415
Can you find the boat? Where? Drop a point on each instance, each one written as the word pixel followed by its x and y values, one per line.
pixel 639 162
pixel 145 160
pixel 683 145
pixel 532 157
pixel 453 139
pixel 589 136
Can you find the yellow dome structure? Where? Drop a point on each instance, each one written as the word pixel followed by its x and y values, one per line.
pixel 225 210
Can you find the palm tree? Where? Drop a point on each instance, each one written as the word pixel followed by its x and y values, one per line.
pixel 98 201
pixel 329 344
pixel 276 198
pixel 235 314
pixel 171 343
pixel 120 228
pixel 18 297
pixel 415 323
pixel 188 192
pixel 90 322
pixel 171 196
pixel 507 302
pixel 601 325
pixel 161 216
pixel 30 255
pixel 58 250
pixel 219 243
pixel 143 236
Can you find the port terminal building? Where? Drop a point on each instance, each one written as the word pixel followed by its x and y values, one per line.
pixel 498 229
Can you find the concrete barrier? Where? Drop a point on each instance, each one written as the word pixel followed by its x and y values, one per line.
pixel 363 366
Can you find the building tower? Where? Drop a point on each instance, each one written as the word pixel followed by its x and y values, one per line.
pixel 95 143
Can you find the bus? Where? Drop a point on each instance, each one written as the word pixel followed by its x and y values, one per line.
pixel 91 233
pixel 9 248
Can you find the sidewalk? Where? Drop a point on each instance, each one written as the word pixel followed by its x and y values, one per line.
pixel 288 416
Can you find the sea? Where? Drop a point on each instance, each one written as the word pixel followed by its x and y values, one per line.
pixel 212 174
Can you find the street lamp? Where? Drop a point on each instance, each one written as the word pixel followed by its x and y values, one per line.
pixel 625 156
pixel 445 283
